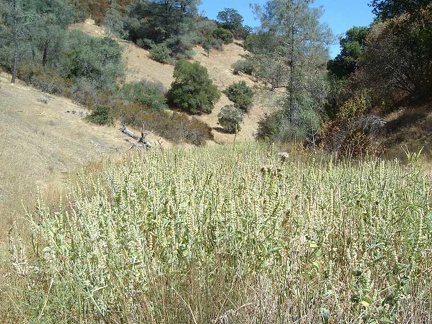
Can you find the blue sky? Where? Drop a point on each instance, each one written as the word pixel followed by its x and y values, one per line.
pixel 340 15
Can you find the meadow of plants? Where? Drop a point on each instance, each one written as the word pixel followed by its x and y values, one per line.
pixel 229 234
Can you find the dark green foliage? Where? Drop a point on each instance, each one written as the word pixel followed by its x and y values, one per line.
pixel 32 32
pixel 243 66
pixel 181 45
pixel 291 51
pixel 95 59
pixel 269 126
pixel 241 94
pixel 230 19
pixel 205 36
pixel 224 35
pixel 50 12
pixel 160 53
pixel 102 115
pixel 171 23
pixel 207 45
pixel 192 89
pixel 114 22
pixel 352 48
pixel 278 127
pixel 387 9
pixel 230 118
pixel 261 42
pixel 149 94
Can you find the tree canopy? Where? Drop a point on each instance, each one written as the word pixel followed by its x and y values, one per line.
pixel 299 50
pixel 230 19
pixel 352 48
pixel 387 9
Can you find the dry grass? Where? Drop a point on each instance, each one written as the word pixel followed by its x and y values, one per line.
pixel 409 127
pixel 231 235
pixel 41 144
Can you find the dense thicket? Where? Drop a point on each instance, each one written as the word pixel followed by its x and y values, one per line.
pixel 211 235
pixel 398 59
pixel 378 67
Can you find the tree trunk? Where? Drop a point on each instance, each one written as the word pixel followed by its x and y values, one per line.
pixel 15 37
pixel 140 139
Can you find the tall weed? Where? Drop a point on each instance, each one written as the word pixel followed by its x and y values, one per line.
pixel 232 234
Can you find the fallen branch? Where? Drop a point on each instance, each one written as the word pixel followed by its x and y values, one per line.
pixel 139 139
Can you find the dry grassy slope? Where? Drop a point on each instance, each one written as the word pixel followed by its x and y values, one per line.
pixel 140 66
pixel 409 127
pixel 41 143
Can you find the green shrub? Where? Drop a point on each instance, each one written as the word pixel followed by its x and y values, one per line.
pixel 210 43
pixel 95 59
pixel 269 126
pixel 160 53
pixel 230 118
pixel 224 35
pixel 277 127
pixel 102 115
pixel 243 66
pixel 192 89
pixel 147 93
pixel 181 46
pixel 145 43
pixel 241 94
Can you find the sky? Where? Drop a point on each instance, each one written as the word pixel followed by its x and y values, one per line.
pixel 339 15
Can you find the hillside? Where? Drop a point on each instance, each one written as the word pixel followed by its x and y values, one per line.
pixel 408 125
pixel 41 143
pixel 44 137
pixel 139 66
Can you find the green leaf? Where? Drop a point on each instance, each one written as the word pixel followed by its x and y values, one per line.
pixel 313 245
pixel 366 301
